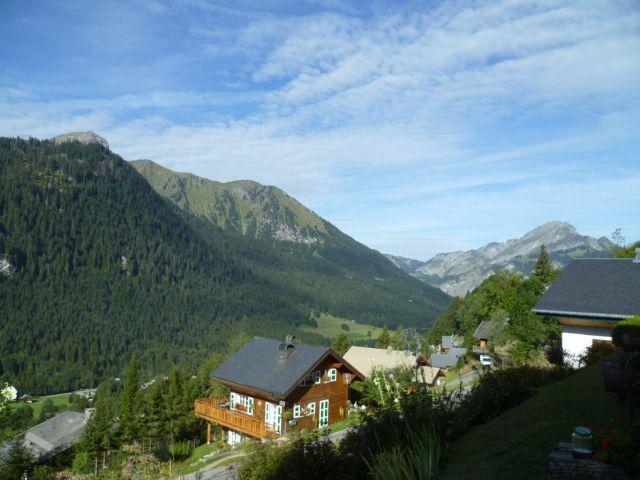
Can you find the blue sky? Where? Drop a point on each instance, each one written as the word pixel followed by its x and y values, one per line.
pixel 415 127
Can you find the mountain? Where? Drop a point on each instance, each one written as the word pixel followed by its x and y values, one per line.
pixel 457 273
pixel 96 267
pixel 243 207
pixel 82 137
pixel 281 236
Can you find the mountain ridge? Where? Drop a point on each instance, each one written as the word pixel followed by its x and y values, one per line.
pixel 459 272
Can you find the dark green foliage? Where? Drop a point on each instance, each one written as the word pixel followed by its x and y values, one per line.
pixel 596 352
pixel 82 463
pixel 344 327
pixel 15 420
pixel 341 343
pixel 384 339
pixel 106 268
pixel 130 405
pixel 629 326
pixel 543 270
pixel 49 410
pixel 503 295
pixel 16 462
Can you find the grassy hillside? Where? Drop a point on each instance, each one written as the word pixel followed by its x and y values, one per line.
pixel 516 444
pixel 292 246
pixel 329 327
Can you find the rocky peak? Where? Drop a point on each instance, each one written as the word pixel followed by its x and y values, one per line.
pixel 82 137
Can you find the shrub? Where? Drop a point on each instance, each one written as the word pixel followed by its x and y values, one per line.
pixel 596 352
pixel 179 451
pixel 82 463
pixel 345 327
pixel 630 326
pixel 419 460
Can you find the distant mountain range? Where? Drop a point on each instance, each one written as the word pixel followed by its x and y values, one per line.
pixel 457 273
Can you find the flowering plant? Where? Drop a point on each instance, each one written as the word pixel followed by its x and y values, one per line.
pixel 7 394
pixel 390 394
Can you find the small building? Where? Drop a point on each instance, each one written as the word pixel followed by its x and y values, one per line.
pixel 366 359
pixel 589 297
pixel 53 436
pixel 271 380
pixel 448 342
pixel 448 359
pixel 485 333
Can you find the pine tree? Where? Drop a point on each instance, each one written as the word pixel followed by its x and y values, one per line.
pixel 544 269
pixel 341 343
pixel 384 339
pixel 130 406
pixel 17 461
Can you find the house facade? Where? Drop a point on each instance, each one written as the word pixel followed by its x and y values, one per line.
pixel 278 387
pixel 589 297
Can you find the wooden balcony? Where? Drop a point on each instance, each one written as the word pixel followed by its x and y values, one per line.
pixel 218 411
pixel 479 349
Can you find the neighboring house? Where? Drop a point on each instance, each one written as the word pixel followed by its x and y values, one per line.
pixel 26 398
pixel 271 380
pixel 448 359
pixel 366 359
pixel 448 342
pixel 589 297
pixel 55 435
pixel 485 334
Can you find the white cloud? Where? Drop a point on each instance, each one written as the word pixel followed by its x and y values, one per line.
pixel 463 120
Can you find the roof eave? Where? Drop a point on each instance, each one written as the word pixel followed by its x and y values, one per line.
pixel 568 313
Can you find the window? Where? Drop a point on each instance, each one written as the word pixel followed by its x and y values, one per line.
pixel 296 411
pixel 311 408
pixel 318 375
pixel 331 375
pixel 242 403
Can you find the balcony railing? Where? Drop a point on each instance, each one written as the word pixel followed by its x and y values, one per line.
pixel 479 349
pixel 217 411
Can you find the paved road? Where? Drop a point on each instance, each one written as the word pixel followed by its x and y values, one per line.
pixel 464 379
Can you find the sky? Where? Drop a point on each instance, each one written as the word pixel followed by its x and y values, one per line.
pixel 415 127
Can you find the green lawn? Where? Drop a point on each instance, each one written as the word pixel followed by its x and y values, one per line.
pixel 516 444
pixel 60 400
pixel 330 327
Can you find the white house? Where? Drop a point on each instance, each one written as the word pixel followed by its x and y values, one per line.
pixel 589 297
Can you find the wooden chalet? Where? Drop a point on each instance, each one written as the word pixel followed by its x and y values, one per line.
pixel 277 387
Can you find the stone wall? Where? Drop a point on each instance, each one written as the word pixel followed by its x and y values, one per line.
pixel 562 465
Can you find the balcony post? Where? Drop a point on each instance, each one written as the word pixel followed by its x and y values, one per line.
pixel 208 433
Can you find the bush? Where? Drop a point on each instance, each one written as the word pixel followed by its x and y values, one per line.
pixel 179 451
pixel 82 463
pixel 596 352
pixel 630 326
pixel 345 327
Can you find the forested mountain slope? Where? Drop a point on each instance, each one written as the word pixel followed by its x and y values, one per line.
pixel 97 266
pixel 104 267
pixel 283 237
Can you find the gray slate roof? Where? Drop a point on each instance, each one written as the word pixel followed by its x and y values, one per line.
pixel 596 288
pixel 53 436
pixel 448 341
pixel 449 359
pixel 488 329
pixel 258 365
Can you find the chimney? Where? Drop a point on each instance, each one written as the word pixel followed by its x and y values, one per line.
pixel 287 347
pixel 637 259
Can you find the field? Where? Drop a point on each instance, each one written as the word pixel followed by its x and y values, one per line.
pixel 61 400
pixel 516 444
pixel 330 327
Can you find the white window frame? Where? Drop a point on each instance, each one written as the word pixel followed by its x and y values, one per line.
pixel 332 374
pixel 297 411
pixel 318 375
pixel 246 401
pixel 311 409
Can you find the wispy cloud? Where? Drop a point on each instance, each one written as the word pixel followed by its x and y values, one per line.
pixel 401 124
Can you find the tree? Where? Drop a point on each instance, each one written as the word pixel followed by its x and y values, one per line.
pixel 341 343
pixel 130 406
pixel 397 341
pixel 544 269
pixel 18 460
pixel 384 339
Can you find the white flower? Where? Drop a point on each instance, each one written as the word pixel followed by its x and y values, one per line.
pixel 396 400
pixel 9 393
